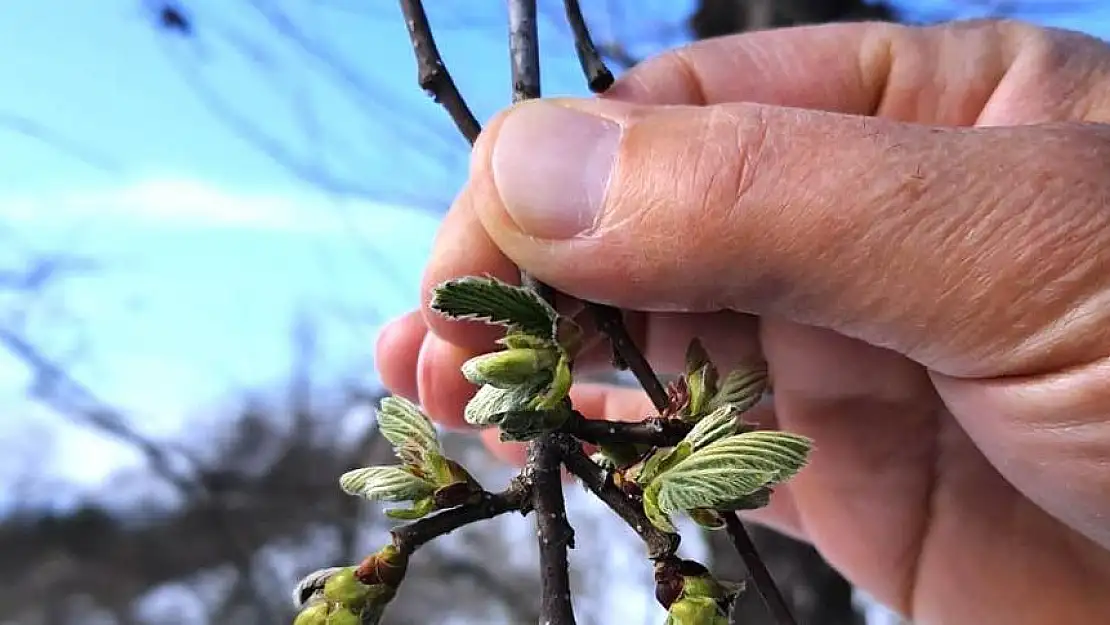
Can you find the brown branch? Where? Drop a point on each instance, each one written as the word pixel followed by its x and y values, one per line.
pixel 598 77
pixel 516 498
pixel 610 322
pixel 433 75
pixel 761 577
pixel 553 530
pixel 653 431
pixel 659 544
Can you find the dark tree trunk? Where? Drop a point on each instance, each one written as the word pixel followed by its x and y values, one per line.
pixel 817 594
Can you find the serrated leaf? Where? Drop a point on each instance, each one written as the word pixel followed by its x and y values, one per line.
pixel 729 470
pixel 385 484
pixel 661 460
pixel 493 301
pixel 402 423
pixel 743 388
pixel 714 426
pixel 490 402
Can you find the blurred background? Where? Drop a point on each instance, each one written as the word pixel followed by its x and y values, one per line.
pixel 207 210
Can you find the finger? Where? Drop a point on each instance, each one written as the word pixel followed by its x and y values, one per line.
pixel 888 70
pixel 873 417
pixel 443 390
pixel 885 69
pixel 463 248
pixel 397 352
pixel 738 207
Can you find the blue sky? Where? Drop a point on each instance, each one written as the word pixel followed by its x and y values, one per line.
pixel 207 249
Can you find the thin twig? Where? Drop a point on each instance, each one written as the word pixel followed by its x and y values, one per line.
pixel 517 497
pixel 610 322
pixel 598 77
pixel 764 583
pixel 660 544
pixel 433 75
pixel 653 431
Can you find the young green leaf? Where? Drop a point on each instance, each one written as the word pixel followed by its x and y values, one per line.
pixel 385 484
pixel 662 460
pixel 742 388
pixel 701 379
pixel 496 302
pixel 718 424
pixel 420 509
pixel 490 402
pixel 728 472
pixel 404 425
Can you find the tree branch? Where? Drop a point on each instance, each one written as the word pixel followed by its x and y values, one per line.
pixel 517 497
pixel 764 583
pixel 598 76
pixel 433 75
pixel 554 531
pixel 653 431
pixel 659 544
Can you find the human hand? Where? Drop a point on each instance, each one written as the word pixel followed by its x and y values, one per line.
pixel 911 225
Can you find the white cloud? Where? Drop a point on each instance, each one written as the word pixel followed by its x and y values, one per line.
pixel 170 202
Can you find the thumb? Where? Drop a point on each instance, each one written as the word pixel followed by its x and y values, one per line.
pixel 906 236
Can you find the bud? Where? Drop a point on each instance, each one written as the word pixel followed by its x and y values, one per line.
pixel 709 519
pixel 345 589
pixel 386 567
pixel 444 471
pixel 510 367
pixel 315 614
pixel 311 586
pixel 343 616
pixel 490 402
pixel 701 379
pixel 457 494
pixel 558 388
pixel 696 611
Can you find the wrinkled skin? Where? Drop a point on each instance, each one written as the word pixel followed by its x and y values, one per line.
pixel 912 225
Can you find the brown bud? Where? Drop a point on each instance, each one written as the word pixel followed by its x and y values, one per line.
pixel 387 567
pixel 457 494
pixel 668 582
